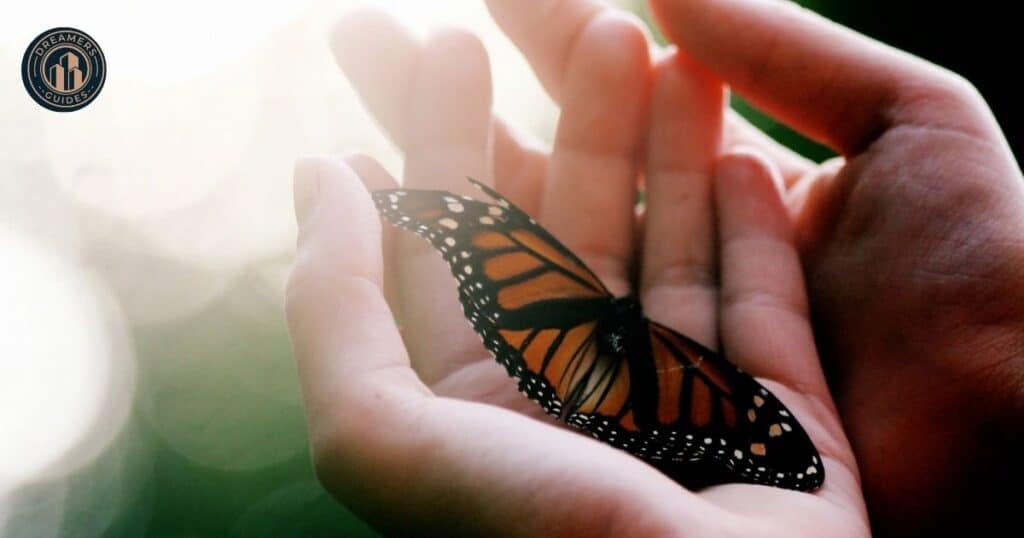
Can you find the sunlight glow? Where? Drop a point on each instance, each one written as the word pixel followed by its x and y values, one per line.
pixel 63 363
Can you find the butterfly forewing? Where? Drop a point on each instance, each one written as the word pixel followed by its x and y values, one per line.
pixel 533 302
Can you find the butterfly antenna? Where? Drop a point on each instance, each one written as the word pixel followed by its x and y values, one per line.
pixel 489 191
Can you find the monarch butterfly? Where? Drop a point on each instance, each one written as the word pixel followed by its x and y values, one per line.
pixel 592 359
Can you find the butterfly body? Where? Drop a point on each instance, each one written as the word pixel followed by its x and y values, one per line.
pixel 616 317
pixel 594 360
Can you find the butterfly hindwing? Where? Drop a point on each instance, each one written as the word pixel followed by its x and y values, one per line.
pixel 719 412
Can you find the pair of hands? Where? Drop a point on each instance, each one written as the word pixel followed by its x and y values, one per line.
pixel 910 246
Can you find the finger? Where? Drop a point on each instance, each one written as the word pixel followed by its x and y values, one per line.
pixel 678 281
pixel 375 177
pixel 764 317
pixel 448 135
pixel 546 31
pixel 449 114
pixel 340 325
pixel 520 167
pixel 828 82
pixel 593 164
pixel 740 133
pixel 379 56
pixel 811 201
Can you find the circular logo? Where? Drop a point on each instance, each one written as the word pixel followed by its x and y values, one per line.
pixel 63 69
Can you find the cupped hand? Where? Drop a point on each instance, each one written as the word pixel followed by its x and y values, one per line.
pixel 913 247
pixel 414 425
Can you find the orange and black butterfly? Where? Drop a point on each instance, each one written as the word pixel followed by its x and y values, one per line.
pixel 593 359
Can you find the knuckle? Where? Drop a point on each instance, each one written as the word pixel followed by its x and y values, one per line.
pixel 944 93
pixel 313 282
pixel 961 87
pixel 761 301
pixel 696 271
pixel 956 89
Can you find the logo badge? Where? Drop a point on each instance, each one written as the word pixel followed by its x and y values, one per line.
pixel 63 69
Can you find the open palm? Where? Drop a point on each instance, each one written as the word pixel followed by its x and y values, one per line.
pixel 398 429
pixel 912 247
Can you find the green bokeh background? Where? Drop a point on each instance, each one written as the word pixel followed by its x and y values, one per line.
pixel 254 478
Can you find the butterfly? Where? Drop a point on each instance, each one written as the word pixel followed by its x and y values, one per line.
pixel 592 359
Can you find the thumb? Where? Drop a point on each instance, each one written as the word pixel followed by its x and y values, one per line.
pixel 832 84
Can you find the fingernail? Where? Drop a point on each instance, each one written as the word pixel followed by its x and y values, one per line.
pixel 306 188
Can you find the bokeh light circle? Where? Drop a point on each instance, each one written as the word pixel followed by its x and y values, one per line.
pixel 68 380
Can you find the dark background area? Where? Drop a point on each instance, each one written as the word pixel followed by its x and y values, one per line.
pixel 974 39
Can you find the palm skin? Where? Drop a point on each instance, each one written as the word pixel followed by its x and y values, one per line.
pixel 915 295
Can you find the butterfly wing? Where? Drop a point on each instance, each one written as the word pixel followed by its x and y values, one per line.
pixel 535 305
pixel 539 310
pixel 691 404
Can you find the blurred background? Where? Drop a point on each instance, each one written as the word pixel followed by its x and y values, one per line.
pixel 146 382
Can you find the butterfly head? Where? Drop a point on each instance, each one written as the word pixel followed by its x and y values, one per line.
pixel 623 320
pixel 628 308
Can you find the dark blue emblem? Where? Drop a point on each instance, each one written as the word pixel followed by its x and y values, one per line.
pixel 63 69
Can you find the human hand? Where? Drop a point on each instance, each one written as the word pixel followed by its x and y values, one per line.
pixel 419 429
pixel 913 248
